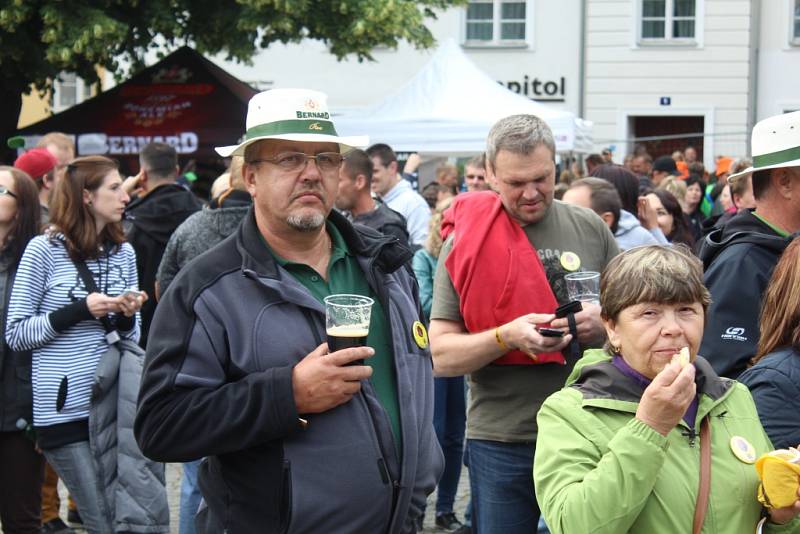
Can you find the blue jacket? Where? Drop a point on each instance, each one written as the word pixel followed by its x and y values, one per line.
pixel 775 384
pixel 425 270
pixel 631 233
pixel 218 384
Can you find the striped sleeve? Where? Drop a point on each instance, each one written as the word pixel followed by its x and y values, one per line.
pixel 26 327
pixel 132 276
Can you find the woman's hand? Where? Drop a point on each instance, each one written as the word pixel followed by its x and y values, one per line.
pixel 666 399
pixel 101 305
pixel 647 214
pixel 131 302
pixel 781 516
pixel 521 334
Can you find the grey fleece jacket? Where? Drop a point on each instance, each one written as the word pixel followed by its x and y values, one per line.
pixel 198 233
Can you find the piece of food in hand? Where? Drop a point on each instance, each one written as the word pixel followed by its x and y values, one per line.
pixel 779 472
pixel 682 357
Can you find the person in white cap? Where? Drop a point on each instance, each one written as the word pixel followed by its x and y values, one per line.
pixel 298 437
pixel 739 258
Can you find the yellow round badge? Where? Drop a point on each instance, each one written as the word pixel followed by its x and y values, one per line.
pixel 743 450
pixel 420 334
pixel 570 261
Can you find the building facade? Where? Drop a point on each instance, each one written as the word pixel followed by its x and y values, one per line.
pixel 661 74
pixel 514 41
pixel 664 74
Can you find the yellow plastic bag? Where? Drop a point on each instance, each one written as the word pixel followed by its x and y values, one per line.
pixel 779 472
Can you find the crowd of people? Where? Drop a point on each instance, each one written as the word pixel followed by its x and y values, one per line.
pixel 143 325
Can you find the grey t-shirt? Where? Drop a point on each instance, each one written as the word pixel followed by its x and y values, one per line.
pixel 504 399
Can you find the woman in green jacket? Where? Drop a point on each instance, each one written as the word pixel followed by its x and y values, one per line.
pixel 619 448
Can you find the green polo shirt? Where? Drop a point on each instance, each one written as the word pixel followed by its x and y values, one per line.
pixel 345 276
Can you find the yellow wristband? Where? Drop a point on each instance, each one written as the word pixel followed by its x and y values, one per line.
pixel 499 340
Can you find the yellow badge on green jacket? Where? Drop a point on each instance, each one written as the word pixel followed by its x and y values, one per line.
pixel 420 334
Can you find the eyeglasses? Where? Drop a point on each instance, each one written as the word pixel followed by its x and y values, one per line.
pixel 296 161
pixel 5 191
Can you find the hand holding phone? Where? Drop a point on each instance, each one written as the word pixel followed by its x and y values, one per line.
pixel 549 332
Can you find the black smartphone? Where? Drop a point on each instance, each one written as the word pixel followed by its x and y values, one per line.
pixel 550 332
pixel 569 307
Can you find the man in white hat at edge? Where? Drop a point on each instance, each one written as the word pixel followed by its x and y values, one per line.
pixel 298 436
pixel 739 258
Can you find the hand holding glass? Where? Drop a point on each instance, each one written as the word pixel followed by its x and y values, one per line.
pixel 347 322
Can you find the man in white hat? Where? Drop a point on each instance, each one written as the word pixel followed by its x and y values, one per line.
pixel 739 258
pixel 297 436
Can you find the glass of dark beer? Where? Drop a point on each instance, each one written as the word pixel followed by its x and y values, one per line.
pixel 347 322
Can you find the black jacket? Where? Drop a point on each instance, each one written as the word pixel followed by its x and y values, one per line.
pixel 775 384
pixel 738 260
pixel 386 221
pixel 150 221
pixel 218 384
pixel 16 394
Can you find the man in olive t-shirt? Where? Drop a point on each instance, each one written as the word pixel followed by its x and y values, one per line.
pixel 504 400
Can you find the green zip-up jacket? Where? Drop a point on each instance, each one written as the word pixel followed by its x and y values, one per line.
pixel 599 469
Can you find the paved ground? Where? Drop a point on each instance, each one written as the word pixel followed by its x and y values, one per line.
pixel 174 485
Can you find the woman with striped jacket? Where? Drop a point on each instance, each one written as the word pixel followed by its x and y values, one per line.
pixel 54 314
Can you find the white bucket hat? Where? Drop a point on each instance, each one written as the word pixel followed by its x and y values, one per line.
pixel 775 143
pixel 293 115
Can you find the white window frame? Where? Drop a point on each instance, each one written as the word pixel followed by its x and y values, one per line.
pixel 794 39
pixel 83 91
pixel 668 40
pixel 496 42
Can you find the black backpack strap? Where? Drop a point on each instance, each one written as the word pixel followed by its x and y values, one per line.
pixel 112 336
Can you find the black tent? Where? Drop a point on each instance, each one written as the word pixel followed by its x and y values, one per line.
pixel 183 100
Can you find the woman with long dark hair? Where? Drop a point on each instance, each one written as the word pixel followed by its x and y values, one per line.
pixel 76 294
pixel 695 190
pixel 637 223
pixel 21 467
pixel 671 218
pixel 774 379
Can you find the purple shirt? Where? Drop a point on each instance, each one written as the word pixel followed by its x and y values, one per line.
pixel 691 412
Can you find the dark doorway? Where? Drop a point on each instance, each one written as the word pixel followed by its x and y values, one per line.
pixel 650 126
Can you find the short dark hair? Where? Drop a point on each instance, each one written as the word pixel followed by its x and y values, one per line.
pixel 626 183
pixel 431 194
pixel 761 181
pixel 357 162
pixel 695 179
pixel 160 159
pixel 383 152
pixel 605 198
pixel 595 159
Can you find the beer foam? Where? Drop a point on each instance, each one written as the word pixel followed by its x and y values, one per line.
pixel 358 330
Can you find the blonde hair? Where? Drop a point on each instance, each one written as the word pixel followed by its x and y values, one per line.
pixel 434 242
pixel 654 273
pixel 780 312
pixel 58 139
pixel 676 187
pixel 446 170
pixel 235 171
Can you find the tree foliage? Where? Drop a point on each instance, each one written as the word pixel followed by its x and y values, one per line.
pixel 41 38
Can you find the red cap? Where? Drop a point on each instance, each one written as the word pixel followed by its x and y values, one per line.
pixel 36 162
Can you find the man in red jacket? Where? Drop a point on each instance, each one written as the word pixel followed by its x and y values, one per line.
pixel 500 275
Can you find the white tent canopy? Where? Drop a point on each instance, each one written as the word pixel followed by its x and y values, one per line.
pixel 449 107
